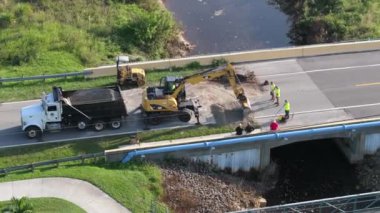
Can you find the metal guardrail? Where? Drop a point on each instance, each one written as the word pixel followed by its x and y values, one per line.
pixel 32 166
pixel 43 77
pixel 366 202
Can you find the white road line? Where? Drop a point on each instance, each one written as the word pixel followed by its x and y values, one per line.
pixel 324 110
pixel 18 102
pixel 320 70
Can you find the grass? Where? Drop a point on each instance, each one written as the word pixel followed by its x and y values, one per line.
pixel 58 36
pixel 27 90
pixel 135 185
pixel 36 153
pixel 56 205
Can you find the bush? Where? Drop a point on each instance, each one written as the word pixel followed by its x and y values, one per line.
pixel 93 32
pixel 5 20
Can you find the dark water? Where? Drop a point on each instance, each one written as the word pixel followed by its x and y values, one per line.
pixel 216 26
pixel 311 170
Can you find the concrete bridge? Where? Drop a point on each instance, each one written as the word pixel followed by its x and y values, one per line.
pixel 354 138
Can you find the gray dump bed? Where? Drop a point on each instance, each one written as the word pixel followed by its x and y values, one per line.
pixel 89 96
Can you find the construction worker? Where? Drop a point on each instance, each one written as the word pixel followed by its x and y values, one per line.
pixel 274 125
pixel 287 109
pixel 239 129
pixel 249 128
pixel 277 93
pixel 272 86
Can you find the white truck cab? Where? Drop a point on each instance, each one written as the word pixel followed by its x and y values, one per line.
pixel 39 117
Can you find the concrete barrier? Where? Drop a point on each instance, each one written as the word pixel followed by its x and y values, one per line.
pixel 248 56
pixel 325 49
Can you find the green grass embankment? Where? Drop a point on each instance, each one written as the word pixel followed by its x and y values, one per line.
pixel 45 37
pixel 55 205
pixel 50 37
pixel 136 186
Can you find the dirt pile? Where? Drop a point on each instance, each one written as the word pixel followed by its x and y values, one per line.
pixel 369 172
pixel 219 101
pixel 198 187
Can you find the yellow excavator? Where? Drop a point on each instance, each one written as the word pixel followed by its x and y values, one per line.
pixel 169 98
pixel 127 76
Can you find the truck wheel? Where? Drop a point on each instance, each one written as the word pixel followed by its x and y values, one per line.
pixel 33 132
pixel 185 115
pixel 116 124
pixel 99 125
pixel 81 125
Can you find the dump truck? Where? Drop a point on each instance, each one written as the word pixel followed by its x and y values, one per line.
pixel 81 109
pixel 169 98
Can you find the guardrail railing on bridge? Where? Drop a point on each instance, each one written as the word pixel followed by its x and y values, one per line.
pixel 366 202
pixel 43 77
pixel 32 166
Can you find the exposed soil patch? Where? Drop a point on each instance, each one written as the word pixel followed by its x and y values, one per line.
pixel 199 187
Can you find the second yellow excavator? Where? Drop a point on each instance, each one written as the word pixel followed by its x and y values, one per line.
pixel 169 99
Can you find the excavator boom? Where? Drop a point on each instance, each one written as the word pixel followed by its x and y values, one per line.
pixel 227 71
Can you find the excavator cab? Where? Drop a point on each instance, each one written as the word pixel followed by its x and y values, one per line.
pixel 170 83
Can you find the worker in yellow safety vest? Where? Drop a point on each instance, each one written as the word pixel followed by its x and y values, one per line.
pixel 272 87
pixel 277 93
pixel 287 109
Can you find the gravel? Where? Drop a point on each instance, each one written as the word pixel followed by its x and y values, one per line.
pixel 199 187
pixel 369 172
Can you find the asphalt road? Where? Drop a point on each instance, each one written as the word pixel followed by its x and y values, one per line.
pixel 320 89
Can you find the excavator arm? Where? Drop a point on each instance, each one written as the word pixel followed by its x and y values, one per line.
pixel 227 71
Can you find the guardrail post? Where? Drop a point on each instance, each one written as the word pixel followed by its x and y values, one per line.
pixel 32 167
pixel 82 158
pixel 1 83
pixel 4 172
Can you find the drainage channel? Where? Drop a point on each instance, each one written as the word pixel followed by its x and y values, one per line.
pixel 311 170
